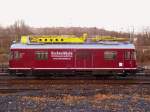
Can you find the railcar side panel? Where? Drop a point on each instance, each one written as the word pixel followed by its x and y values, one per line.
pixel 72 59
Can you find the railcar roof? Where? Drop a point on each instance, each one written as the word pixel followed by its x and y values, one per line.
pixel 73 46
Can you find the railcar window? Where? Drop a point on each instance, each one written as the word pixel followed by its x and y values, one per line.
pixel 133 55
pixel 41 55
pixel 38 56
pixel 11 55
pixel 127 55
pixel 45 55
pixel 110 55
pixel 16 55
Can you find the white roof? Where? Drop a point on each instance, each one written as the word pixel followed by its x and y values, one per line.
pixel 73 46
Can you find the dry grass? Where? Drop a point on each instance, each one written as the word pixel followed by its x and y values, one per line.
pixel 70 100
pixel 66 99
pixel 39 99
pixel 28 110
pixel 106 96
pixel 103 101
pixel 139 97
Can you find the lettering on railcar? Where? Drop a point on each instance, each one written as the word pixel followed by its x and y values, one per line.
pixel 61 55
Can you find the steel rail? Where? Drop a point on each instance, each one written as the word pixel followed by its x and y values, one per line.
pixel 15 90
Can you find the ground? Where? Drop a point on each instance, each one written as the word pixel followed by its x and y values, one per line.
pixel 79 98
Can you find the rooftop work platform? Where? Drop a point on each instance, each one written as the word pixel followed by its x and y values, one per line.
pixel 72 42
pixel 55 39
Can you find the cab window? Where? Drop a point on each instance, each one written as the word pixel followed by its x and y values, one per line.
pixel 11 55
pixel 133 55
pixel 15 55
pixel 127 55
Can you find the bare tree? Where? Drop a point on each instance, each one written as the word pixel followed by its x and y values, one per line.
pixel 19 28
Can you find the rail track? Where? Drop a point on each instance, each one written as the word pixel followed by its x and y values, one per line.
pixel 76 79
pixel 14 84
pixel 17 86
pixel 4 75
pixel 14 90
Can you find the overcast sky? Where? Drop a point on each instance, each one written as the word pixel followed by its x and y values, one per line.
pixel 108 14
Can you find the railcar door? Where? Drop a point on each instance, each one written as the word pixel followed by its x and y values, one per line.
pixel 83 59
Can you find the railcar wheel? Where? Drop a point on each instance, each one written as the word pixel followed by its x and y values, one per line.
pixel 124 74
pixel 29 73
pixel 12 73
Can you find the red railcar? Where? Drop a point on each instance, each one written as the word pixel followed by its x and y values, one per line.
pixel 118 57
